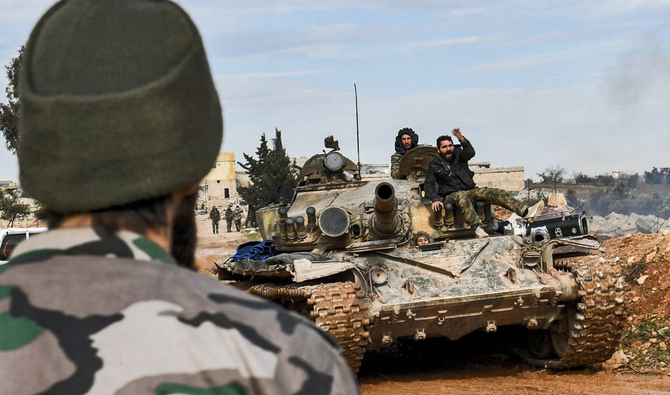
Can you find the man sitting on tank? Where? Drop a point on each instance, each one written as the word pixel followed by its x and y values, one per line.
pixel 450 171
pixel 404 141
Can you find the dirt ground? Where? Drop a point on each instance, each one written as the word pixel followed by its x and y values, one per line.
pixel 212 246
pixel 477 364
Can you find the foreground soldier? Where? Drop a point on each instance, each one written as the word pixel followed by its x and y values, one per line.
pixel 450 171
pixel 120 121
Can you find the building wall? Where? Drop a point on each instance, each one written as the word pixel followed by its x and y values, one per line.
pixel 220 183
pixel 507 178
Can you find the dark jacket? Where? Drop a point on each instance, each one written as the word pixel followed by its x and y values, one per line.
pixel 399 149
pixel 215 215
pixel 450 176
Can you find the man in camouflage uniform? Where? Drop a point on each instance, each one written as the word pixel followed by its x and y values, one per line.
pixel 215 216
pixel 104 302
pixel 229 218
pixel 404 141
pixel 450 171
pixel 237 217
pixel 251 216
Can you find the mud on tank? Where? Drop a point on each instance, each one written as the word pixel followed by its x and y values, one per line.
pixel 348 262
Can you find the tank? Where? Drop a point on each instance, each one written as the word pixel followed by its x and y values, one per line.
pixel 344 255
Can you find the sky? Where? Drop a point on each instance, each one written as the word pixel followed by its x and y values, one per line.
pixel 584 85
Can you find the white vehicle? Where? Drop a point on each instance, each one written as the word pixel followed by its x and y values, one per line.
pixel 10 238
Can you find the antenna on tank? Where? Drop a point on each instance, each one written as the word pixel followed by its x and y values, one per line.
pixel 358 141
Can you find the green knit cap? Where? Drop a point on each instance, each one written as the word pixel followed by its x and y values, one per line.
pixel 117 105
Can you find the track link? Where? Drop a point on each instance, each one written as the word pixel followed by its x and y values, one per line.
pixel 597 319
pixel 336 308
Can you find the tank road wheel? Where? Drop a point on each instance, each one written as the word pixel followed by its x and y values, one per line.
pixel 590 329
pixel 539 343
pixel 337 309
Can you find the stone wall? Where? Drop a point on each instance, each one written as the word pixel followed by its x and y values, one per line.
pixel 507 178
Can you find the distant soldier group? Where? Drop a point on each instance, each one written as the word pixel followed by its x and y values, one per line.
pixel 232 216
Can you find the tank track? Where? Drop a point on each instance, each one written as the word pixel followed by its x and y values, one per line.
pixel 597 324
pixel 336 308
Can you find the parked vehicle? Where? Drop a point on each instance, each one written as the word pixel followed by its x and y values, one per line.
pixel 10 238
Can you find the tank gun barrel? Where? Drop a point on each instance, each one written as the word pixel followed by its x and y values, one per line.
pixel 386 209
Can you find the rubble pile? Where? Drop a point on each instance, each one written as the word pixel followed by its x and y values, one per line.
pixel 646 258
pixel 620 225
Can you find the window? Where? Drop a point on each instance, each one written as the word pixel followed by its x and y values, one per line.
pixel 8 244
pixel 226 193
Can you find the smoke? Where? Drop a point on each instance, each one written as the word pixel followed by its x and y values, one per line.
pixel 646 64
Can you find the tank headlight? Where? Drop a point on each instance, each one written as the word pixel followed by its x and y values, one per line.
pixel 334 222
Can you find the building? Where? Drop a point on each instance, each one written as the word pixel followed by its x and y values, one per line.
pixel 507 178
pixel 220 184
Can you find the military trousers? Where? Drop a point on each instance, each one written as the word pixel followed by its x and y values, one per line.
pixel 499 197
pixel 215 226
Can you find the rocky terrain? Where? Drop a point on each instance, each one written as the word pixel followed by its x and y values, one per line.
pixel 647 334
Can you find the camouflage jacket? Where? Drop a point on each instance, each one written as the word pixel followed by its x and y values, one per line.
pixel 92 311
pixel 395 167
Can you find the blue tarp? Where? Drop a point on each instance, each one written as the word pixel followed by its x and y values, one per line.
pixel 254 250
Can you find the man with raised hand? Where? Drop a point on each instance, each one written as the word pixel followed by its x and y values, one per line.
pixel 449 180
pixel 120 121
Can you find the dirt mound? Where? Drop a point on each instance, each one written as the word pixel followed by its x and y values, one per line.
pixel 646 258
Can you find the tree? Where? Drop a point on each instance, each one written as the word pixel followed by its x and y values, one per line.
pixel 12 209
pixel 655 176
pixel 581 178
pixel 270 169
pixel 605 180
pixel 633 180
pixel 9 113
pixel 552 175
pixel 621 188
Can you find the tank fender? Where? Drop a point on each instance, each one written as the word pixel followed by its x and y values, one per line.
pixel 304 269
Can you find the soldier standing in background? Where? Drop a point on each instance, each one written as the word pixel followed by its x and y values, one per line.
pixel 251 216
pixel 215 216
pixel 404 141
pixel 229 218
pixel 106 301
pixel 237 217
